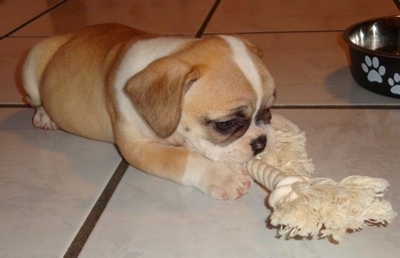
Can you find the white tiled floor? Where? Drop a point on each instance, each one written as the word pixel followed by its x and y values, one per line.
pixel 235 16
pixel 15 13
pixel 49 181
pixel 148 217
pixel 170 17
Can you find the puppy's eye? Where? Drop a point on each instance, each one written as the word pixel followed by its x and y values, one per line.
pixel 226 126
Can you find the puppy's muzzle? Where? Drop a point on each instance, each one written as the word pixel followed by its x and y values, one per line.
pixel 258 144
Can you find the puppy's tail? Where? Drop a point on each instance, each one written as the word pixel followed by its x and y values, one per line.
pixel 35 64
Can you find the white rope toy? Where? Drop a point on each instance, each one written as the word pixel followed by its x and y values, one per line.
pixel 305 206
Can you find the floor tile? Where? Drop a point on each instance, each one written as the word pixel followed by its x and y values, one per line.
pixel 169 17
pixel 312 69
pixel 150 217
pixel 15 13
pixel 233 16
pixel 11 53
pixel 49 182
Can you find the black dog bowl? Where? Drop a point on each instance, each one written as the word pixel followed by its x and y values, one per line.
pixel 374 48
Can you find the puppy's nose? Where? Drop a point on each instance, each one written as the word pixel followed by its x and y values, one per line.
pixel 258 144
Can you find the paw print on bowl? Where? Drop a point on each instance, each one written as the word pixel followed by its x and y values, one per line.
pixel 395 84
pixel 373 69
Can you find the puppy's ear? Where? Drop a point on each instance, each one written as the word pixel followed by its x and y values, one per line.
pixel 157 93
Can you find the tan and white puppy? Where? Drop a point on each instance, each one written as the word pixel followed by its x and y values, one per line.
pixel 188 110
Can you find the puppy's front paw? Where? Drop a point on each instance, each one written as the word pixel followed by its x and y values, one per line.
pixel 238 168
pixel 222 183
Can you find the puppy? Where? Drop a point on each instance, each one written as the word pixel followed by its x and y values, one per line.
pixel 188 110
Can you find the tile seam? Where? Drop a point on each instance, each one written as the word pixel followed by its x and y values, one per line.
pixel 97 210
pixel 31 20
pixel 10 105
pixel 277 32
pixel 210 14
pixel 330 107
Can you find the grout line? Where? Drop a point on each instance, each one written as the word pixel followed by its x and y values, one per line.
pixel 277 32
pixel 32 19
pixel 355 106
pixel 203 26
pixel 28 36
pixel 20 105
pixel 86 229
pixel 397 3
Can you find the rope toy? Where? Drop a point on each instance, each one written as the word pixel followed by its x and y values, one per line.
pixel 305 206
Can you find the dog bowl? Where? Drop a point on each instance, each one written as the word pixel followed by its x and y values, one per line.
pixel 374 48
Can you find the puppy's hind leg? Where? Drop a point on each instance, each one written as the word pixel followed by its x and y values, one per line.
pixel 33 68
pixel 42 120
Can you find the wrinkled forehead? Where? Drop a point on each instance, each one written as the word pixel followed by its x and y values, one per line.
pixel 252 69
pixel 231 73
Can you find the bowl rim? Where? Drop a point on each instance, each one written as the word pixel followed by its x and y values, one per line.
pixel 347 31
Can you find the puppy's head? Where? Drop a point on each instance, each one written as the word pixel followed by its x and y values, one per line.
pixel 214 95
